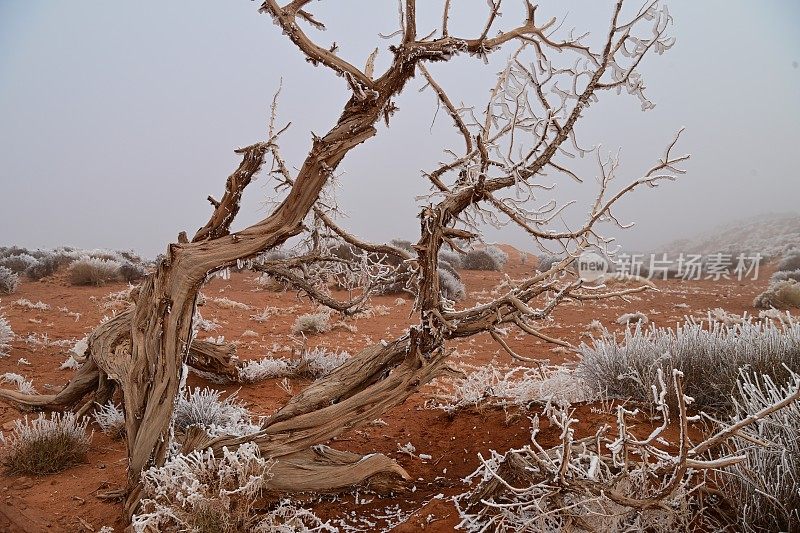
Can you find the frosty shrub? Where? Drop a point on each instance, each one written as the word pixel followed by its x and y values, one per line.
pixel 451 258
pixel 6 336
pixel 519 386
pixel 312 323
pixel 709 356
pixel 546 262
pixel 25 386
pixel 46 265
pixel 8 281
pixel 489 258
pixel 111 420
pixel 790 260
pixel 633 318
pixel 451 286
pixel 765 487
pixel 45 445
pixel 203 407
pixel 18 264
pixel 201 493
pixel 784 275
pixel 130 271
pixel 93 271
pixel 780 295
pixel 266 368
pixel 318 362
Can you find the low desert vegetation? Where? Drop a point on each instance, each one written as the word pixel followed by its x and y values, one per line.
pixel 312 323
pixel 96 268
pixel 709 355
pixel 783 294
pixel 312 364
pixel 203 493
pixel 784 275
pixel 9 281
pixel 111 419
pixel 93 271
pixel 6 336
pixel 203 407
pixel 488 258
pixel 790 261
pixel 45 445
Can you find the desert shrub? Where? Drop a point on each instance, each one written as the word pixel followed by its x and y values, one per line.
pixel 489 385
pixel 45 445
pixel 765 487
pixel 709 357
pixel 633 318
pixel 346 252
pixel 93 271
pixel 784 275
pixel 8 281
pixel 790 260
pixel 546 262
pixel 403 244
pixel 46 265
pixel 453 259
pixel 780 295
pixel 6 336
pixel 202 493
pixel 450 285
pixel 111 420
pixel 130 272
pixel 18 264
pixel 489 258
pixel 312 323
pixel 318 362
pixel 25 386
pixel 203 407
pixel 267 368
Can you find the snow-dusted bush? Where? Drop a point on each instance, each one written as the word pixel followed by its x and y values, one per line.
pixel 203 407
pixel 318 362
pixel 790 260
pixel 546 262
pixel 519 386
pixel 489 258
pixel 227 303
pixel 46 265
pixel 45 445
pixel 312 323
pixel 19 263
pixel 93 271
pixel 8 281
pixel 451 286
pixel 25 386
pixel 266 368
pixel 783 275
pixel 130 271
pixel 709 355
pixel 780 295
pixel 111 420
pixel 454 259
pixel 201 493
pixel 6 336
pixel 633 318
pixel 765 487
pixel 27 304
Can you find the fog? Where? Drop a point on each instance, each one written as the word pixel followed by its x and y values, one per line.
pixel 117 119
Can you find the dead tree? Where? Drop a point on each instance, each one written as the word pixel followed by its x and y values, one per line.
pixel 526 129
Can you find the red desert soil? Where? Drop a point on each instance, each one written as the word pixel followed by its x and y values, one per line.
pixel 67 501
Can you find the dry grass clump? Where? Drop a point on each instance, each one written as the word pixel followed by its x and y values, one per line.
pixel 779 295
pixel 6 336
pixel 710 355
pixel 202 493
pixel 489 258
pixel 45 445
pixel 9 281
pixel 783 275
pixel 111 420
pixel 636 317
pixel 203 407
pixel 312 364
pixel 312 323
pixel 766 486
pixel 93 271
pixel 790 261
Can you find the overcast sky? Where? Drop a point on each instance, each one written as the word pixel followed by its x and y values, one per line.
pixel 117 119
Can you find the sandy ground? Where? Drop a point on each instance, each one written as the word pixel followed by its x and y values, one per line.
pixel 67 501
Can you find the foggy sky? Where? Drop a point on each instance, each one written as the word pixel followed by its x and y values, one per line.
pixel 117 119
